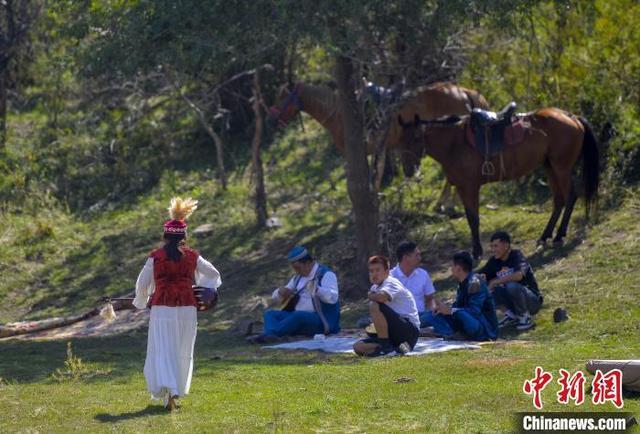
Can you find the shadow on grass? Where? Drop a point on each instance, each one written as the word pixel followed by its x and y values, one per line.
pixel 36 361
pixel 123 356
pixel 151 410
pixel 553 253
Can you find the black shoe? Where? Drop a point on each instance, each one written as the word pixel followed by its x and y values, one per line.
pixel 255 339
pixel 263 339
pixel 382 350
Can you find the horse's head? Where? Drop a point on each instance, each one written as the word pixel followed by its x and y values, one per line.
pixel 411 131
pixel 412 145
pixel 287 104
pixel 418 135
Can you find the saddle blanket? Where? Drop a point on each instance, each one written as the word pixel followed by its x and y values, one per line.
pixel 499 136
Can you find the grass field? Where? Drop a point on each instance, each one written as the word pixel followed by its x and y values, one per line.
pixel 240 388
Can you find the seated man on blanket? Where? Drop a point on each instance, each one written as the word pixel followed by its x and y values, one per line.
pixel 309 301
pixel 512 283
pixel 393 311
pixel 414 278
pixel 473 314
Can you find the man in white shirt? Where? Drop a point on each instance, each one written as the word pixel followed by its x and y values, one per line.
pixel 414 278
pixel 309 301
pixel 393 311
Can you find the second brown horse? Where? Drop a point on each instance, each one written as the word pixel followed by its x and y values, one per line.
pixel 556 139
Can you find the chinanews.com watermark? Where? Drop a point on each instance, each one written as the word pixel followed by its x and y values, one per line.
pixel 548 422
pixel 606 387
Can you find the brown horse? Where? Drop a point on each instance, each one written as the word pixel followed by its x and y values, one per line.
pixel 556 140
pixel 429 102
pixel 321 103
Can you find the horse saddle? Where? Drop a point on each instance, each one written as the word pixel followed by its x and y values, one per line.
pixel 489 132
pixel 380 95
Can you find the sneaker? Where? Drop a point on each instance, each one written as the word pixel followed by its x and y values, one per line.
pixel 525 323
pixel 404 348
pixel 508 321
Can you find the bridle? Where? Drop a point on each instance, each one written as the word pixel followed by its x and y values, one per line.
pixel 414 129
pixel 281 114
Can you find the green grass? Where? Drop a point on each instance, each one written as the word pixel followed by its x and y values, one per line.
pixel 58 263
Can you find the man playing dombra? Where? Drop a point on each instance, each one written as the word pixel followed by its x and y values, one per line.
pixel 312 307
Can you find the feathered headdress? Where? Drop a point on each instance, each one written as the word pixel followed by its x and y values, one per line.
pixel 179 211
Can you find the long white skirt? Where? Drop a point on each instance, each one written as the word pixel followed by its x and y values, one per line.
pixel 169 363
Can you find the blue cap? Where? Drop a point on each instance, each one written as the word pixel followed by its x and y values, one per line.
pixel 297 253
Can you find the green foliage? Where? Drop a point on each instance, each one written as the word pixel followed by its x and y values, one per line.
pixel 580 56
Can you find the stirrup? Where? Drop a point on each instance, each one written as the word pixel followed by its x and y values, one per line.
pixel 488 169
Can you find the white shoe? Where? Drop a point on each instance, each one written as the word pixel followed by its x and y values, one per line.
pixel 404 348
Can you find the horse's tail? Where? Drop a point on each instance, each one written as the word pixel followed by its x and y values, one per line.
pixel 590 165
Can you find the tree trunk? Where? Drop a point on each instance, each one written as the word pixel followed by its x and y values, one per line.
pixel 361 191
pixel 219 157
pixel 202 118
pixel 3 111
pixel 260 196
pixel 381 158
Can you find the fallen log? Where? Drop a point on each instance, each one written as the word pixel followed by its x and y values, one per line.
pixel 26 327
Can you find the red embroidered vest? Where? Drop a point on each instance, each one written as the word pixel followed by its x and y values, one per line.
pixel 174 279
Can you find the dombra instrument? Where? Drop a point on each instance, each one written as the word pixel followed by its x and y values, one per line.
pixel 206 298
pixel 289 303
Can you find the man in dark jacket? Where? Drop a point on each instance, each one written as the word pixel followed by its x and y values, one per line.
pixel 512 283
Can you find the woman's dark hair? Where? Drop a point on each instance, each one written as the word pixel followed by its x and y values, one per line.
pixel 172 246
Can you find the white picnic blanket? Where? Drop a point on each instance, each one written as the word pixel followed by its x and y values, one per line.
pixel 345 345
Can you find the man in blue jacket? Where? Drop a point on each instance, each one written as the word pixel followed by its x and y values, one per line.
pixel 473 314
pixel 308 302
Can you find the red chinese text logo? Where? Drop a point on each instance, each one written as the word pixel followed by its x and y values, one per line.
pixel 572 387
pixel 536 385
pixel 607 387
pixel 604 387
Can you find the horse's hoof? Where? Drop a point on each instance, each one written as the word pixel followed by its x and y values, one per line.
pixel 541 246
pixel 558 243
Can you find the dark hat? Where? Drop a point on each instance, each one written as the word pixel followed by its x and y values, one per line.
pixel 560 314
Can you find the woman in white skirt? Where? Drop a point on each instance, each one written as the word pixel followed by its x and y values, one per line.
pixel 165 284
